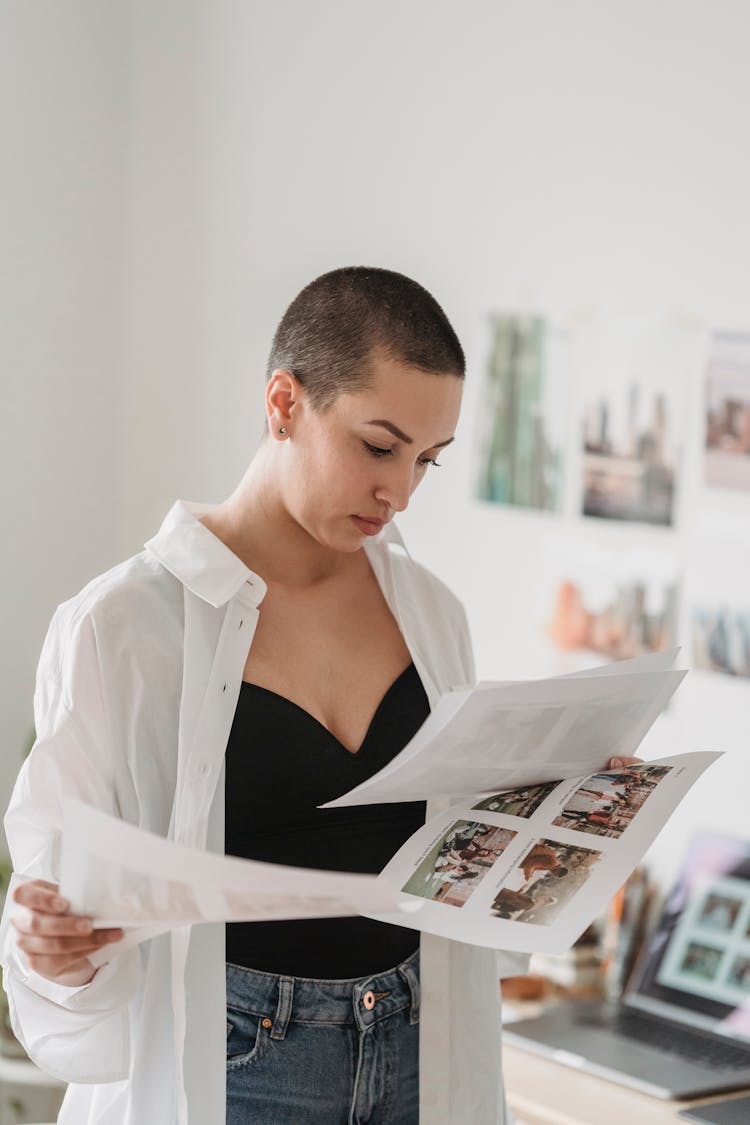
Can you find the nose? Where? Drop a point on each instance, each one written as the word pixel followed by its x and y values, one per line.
pixel 396 487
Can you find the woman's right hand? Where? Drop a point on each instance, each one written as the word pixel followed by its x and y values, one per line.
pixel 56 943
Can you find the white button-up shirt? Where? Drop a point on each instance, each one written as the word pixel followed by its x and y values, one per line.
pixel 136 691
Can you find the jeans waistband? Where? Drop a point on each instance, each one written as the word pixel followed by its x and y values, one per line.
pixel 361 1001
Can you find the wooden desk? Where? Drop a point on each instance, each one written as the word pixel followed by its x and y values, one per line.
pixel 542 1092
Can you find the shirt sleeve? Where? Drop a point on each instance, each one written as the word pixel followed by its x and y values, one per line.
pixel 76 1034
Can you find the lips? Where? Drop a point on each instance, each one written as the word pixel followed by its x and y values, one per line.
pixel 368 524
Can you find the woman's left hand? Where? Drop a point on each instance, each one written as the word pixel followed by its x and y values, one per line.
pixel 618 763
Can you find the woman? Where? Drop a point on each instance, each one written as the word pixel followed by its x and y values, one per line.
pixel 256 659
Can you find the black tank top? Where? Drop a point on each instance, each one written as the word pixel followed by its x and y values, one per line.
pixel 280 764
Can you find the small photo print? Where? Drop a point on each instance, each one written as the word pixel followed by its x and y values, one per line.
pixel 739 974
pixel 630 476
pixel 701 960
pixel 615 604
pixel 544 882
pixel 720 912
pixel 518 802
pixel 721 639
pixel 728 411
pixel 632 376
pixel 608 802
pixel 526 392
pixel 716 591
pixel 458 862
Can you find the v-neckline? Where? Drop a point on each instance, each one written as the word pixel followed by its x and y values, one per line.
pixel 353 754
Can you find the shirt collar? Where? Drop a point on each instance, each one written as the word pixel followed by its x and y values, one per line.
pixel 209 569
pixel 199 559
pixel 391 537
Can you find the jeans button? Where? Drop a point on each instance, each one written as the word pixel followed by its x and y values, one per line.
pixel 369 1000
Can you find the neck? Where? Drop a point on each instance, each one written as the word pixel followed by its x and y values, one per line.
pixel 256 526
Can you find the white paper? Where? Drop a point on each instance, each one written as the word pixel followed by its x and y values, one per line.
pixel 123 876
pixel 508 734
pixel 542 837
pixel 550 860
pixel 649 662
pixel 467 865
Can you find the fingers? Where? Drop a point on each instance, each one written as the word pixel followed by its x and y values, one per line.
pixel 618 763
pixel 67 931
pixel 44 883
pixel 30 921
pixel 65 970
pixel 41 895
pixel 63 946
pixel 44 913
pixel 56 943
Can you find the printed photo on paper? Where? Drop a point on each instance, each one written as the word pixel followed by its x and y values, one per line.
pixel 458 862
pixel 610 801
pixel 548 876
pixel 517 802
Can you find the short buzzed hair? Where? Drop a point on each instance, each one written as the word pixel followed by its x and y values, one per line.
pixel 330 332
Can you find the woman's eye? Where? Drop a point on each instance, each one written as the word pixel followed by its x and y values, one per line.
pixel 379 451
pixel 376 451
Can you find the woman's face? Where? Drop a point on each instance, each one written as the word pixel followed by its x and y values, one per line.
pixel 350 468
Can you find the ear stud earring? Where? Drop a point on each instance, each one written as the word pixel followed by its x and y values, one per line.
pixel 282 431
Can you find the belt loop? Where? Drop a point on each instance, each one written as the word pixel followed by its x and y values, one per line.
pixel 409 971
pixel 283 1008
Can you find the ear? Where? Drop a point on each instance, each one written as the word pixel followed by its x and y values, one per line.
pixel 283 395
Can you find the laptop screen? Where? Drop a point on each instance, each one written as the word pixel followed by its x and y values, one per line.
pixel 696 965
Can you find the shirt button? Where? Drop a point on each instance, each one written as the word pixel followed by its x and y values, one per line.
pixel 369 1000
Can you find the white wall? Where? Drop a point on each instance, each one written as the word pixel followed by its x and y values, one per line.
pixel 217 156
pixel 64 74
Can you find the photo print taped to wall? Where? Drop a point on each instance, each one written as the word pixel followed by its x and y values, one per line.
pixel 525 413
pixel 718 596
pixel 632 376
pixel 727 454
pixel 600 601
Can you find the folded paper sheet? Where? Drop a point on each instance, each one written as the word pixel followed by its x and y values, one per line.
pixel 124 876
pixel 500 735
pixel 525 869
pixel 543 834
pixel 529 869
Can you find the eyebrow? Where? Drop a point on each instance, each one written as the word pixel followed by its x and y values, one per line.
pixel 393 429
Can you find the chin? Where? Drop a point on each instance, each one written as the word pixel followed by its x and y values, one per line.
pixel 347 544
pixel 346 540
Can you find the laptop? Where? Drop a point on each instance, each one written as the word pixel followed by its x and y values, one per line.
pixel 682 1028
pixel 729 1111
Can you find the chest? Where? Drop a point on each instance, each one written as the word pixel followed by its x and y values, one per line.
pixel 334 653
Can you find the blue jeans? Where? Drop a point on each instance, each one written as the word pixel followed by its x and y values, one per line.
pixel 323 1052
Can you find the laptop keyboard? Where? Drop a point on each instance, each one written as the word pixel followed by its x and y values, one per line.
pixel 688 1043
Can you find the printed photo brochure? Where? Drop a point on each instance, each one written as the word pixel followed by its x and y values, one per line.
pixel 538 836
